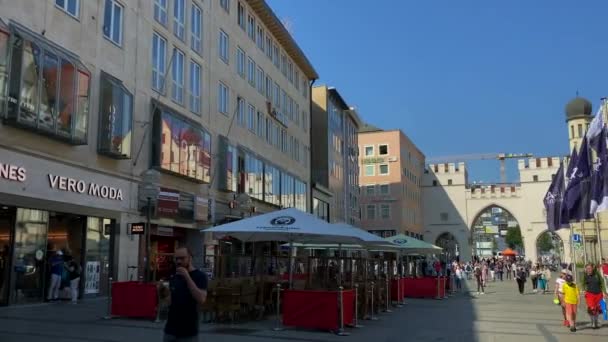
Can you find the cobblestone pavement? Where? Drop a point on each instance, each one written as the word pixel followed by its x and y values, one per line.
pixel 502 314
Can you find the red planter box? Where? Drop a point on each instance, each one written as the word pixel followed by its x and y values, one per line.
pixel 134 300
pixel 424 287
pixel 317 309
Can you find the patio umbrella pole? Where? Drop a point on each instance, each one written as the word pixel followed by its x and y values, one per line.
pixel 341 331
pixel 291 264
pixel 339 265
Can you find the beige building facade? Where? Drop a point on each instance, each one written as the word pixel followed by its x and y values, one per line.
pixel 215 95
pixel 390 178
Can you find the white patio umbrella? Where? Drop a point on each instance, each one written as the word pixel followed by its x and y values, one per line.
pixel 290 225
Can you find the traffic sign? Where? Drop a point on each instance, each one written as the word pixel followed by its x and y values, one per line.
pixel 576 238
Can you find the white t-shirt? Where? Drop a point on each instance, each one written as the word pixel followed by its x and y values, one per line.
pixel 559 283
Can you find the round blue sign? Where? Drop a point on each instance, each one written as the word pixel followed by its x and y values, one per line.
pixel 282 221
pixel 400 241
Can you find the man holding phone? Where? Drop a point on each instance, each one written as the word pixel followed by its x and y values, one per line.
pixel 188 288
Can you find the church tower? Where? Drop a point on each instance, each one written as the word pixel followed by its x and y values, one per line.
pixel 578 117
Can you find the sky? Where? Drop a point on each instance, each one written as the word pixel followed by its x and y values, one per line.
pixel 459 76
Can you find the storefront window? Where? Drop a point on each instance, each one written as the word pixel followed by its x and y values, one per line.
pixel 287 190
pixel 300 193
pixel 96 268
pixel 272 185
pixel 181 147
pixel 47 91
pixel 115 118
pixel 3 65
pixel 254 169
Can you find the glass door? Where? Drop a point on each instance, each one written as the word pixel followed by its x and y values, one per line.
pixel 29 266
pixel 7 219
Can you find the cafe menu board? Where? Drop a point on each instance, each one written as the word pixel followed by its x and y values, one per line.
pixel 92 272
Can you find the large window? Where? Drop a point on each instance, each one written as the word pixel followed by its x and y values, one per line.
pixel 240 62
pixel 276 55
pixel 228 176
pixel 159 55
pixel 48 91
pixel 241 15
pixel 225 5
pixel 254 179
pixel 71 7
pixel 115 118
pixel 301 192
pixel 371 211
pixel 287 191
pixel 272 185
pixel 369 170
pixel 240 110
pixel 321 209
pixel 251 117
pixel 268 47
pixel 251 71
pixel 177 76
pixel 251 27
pixel 195 87
pixel 260 38
pixel 4 49
pixel 223 99
pixel 385 211
pixel 260 80
pixel 179 19
pixel 112 21
pixel 160 11
pixel 260 123
pixel 196 29
pixel 224 46
pixel 383 169
pixel 181 147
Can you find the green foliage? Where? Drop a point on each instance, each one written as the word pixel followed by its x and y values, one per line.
pixel 544 243
pixel 513 238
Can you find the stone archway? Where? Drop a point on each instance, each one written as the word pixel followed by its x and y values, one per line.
pixel 450 246
pixel 494 229
pixel 549 248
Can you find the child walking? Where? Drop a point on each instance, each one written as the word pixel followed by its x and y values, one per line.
pixel 559 294
pixel 571 299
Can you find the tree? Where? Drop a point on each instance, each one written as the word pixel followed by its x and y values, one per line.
pixel 513 238
pixel 544 243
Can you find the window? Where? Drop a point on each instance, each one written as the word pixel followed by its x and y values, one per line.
pixel 240 62
pixel 115 118
pixel 225 5
pixel 187 155
pixel 297 114
pixel 241 15
pixel 535 178
pixel 196 29
pixel 268 88
pixel 195 87
pixel 260 122
pixel 304 88
pixel 71 7
pixel 277 95
pixel 383 169
pixel 276 55
pixel 385 211
pixel 382 150
pixel 159 52
pixel 48 91
pixel 224 42
pixel 369 170
pixel 260 80
pixel 160 11
pixel 240 111
pixel 444 217
pixel 251 118
pixel 305 121
pixel 260 38
pixel 434 183
pixel 371 211
pixel 290 71
pixel 370 190
pixel 284 64
pixel 384 189
pixel 179 19
pixel 223 99
pixel 177 76
pixel 296 80
pixel 112 21
pixel 449 182
pixel 251 27
pixel 251 71
pixel 580 130
pixel 268 47
pixel 369 151
pixel 572 131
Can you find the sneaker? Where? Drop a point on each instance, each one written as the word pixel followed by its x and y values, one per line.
pixel 566 323
pixel 573 329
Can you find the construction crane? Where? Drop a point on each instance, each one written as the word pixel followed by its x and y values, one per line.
pixel 502 157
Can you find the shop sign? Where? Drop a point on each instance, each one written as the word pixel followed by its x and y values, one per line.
pixel 82 187
pixel 13 173
pixel 201 213
pixel 137 228
pixel 372 160
pixel 164 231
pixel 168 202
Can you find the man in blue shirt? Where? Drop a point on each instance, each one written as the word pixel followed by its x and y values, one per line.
pixel 56 272
pixel 188 290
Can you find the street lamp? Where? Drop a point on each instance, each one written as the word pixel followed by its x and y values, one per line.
pixel 149 191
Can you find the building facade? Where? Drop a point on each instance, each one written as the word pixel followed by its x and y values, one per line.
pixel 335 171
pixel 390 179
pixel 215 95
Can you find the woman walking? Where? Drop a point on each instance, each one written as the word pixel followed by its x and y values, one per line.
pixel 479 277
pixel 521 279
pixel 595 289
pixel 534 279
pixel 559 294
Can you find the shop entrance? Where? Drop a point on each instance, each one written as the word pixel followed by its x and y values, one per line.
pixel 7 219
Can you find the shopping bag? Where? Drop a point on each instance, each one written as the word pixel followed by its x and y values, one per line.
pixel 603 305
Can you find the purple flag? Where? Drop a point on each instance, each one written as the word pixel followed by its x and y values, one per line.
pixel 577 197
pixel 553 200
pixel 564 214
pixel 599 177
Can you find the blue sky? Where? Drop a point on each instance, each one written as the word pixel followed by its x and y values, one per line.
pixel 459 77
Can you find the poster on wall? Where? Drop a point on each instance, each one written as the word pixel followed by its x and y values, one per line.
pixel 91 283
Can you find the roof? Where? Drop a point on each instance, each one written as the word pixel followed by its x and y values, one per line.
pixel 278 30
pixel 334 92
pixel 369 128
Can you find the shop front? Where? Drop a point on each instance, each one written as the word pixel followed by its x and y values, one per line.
pixel 48 207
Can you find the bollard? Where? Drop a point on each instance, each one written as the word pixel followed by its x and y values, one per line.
pixel 356 322
pixel 445 292
pixel 399 304
pixel 403 293
pixel 438 287
pixel 157 320
pixel 278 326
pixel 387 297
pixel 372 317
pixel 341 331
pixel 109 312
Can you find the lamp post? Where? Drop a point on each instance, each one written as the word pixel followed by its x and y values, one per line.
pixel 149 191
